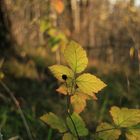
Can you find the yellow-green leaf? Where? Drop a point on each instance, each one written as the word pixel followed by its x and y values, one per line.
pixel 59 70
pixel 76 57
pixel 54 122
pixel 133 134
pixel 106 131
pixel 89 83
pixel 68 136
pixel 79 124
pixel 125 117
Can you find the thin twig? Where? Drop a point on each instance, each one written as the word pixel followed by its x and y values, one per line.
pixel 68 103
pixel 105 130
pixel 11 94
pixel 74 126
pixel 69 115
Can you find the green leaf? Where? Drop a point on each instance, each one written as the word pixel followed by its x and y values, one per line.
pixel 107 132
pixel 133 134
pixel 59 70
pixel 125 117
pixel 79 124
pixel 76 57
pixel 54 122
pixel 68 136
pixel 89 83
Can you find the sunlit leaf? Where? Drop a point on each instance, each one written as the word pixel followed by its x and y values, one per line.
pixel 59 70
pixel 91 96
pixel 89 83
pixel 76 57
pixel 79 124
pixel 66 90
pixel 68 136
pixel 133 134
pixel 54 122
pixel 107 132
pixel 125 117
pixel 78 102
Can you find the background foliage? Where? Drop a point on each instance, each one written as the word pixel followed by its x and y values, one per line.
pixel 33 35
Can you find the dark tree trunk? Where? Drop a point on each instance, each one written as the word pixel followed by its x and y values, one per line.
pixel 6 40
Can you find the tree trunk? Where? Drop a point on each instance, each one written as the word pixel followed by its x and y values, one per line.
pixel 6 40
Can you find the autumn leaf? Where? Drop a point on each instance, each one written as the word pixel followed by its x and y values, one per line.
pixel 79 124
pixel 76 57
pixel 66 90
pixel 125 117
pixel 89 83
pixel 58 5
pixel 62 90
pixel 68 136
pixel 54 121
pixel 78 102
pixel 107 132
pixel 59 70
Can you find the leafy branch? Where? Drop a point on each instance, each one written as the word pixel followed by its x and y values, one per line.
pixel 77 90
pixel 68 111
pixel 123 119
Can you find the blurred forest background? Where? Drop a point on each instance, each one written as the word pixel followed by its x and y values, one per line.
pixel 33 35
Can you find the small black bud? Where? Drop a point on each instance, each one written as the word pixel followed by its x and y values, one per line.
pixel 64 77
